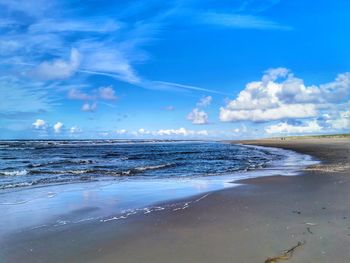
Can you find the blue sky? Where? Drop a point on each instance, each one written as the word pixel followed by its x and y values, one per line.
pixel 173 69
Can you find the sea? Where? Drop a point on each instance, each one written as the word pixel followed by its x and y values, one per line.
pixel 58 182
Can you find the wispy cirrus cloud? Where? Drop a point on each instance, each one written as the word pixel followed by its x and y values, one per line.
pixel 48 46
pixel 241 21
pixel 171 85
pixel 18 96
pixel 49 34
pixel 57 26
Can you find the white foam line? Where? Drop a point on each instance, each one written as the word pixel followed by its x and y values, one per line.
pixel 201 198
pixel 129 212
pixel 61 223
pixel 84 219
pixel 112 219
pixel 36 227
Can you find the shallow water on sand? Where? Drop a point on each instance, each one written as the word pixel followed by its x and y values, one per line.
pixel 79 181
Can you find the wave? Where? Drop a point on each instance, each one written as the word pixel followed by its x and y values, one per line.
pixel 43 181
pixel 74 162
pixel 16 185
pixel 141 169
pixel 102 172
pixel 14 172
pixel 153 167
pixel 76 171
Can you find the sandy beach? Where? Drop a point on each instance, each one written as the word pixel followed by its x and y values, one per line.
pixel 250 223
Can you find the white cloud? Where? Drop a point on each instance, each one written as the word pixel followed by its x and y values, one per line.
pixel 283 127
pixel 243 129
pixel 39 124
pixel 107 93
pixel 121 131
pixel 281 112
pixel 76 94
pixel 9 45
pixel 50 34
pixel 103 93
pixel 342 122
pixel 164 85
pixel 87 107
pixel 241 21
pixel 280 95
pixel 57 127
pixel 75 129
pixel 180 131
pixel 31 8
pixel 202 132
pixel 169 132
pixel 21 96
pixel 102 59
pixel 205 101
pixel 337 90
pixel 57 26
pixel 197 116
pixel 142 131
pixel 58 69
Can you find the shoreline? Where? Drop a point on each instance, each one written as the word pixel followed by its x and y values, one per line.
pixel 248 223
pixel 106 201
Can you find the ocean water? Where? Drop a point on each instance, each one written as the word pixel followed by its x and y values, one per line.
pixel 45 184
pixel 38 163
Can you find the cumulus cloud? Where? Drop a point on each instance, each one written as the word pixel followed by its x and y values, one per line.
pixel 197 116
pixel 58 69
pixel 204 101
pixel 102 93
pixel 39 124
pixel 281 112
pixel 121 131
pixel 337 90
pixel 180 131
pixel 87 107
pixel 58 127
pixel 342 122
pixel 284 127
pixel 142 131
pixel 107 93
pixel 243 129
pixel 75 129
pixel 280 95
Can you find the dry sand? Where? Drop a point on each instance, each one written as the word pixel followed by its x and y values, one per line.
pixel 249 223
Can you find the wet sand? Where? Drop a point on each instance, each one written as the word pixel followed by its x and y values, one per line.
pixel 249 223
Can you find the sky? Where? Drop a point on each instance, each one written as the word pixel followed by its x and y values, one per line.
pixel 180 69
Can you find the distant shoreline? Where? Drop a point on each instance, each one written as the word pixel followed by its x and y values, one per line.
pixel 345 135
